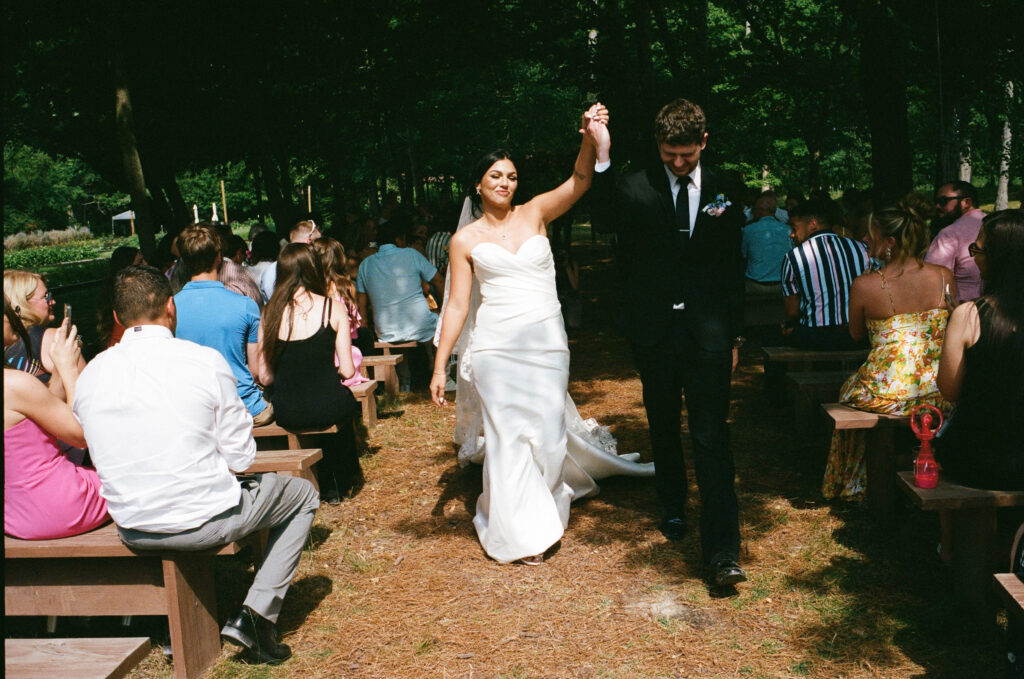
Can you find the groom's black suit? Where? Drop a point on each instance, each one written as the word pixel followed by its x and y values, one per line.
pixel 687 350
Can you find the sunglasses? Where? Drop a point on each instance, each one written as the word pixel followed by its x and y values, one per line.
pixel 974 250
pixel 48 296
pixel 942 200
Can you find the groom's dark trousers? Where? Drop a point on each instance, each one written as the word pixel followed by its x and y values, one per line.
pixel 684 351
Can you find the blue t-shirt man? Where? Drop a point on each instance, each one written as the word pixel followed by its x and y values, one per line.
pixel 391 278
pixel 765 243
pixel 213 316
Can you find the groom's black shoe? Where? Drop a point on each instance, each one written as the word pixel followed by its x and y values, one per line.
pixel 673 528
pixel 726 572
pixel 258 635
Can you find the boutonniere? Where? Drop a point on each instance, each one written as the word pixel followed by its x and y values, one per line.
pixel 716 207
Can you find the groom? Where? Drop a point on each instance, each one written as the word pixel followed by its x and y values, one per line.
pixel 679 230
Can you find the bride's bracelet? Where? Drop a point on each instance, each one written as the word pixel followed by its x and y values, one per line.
pixel 440 373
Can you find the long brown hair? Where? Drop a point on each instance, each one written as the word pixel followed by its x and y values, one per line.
pixel 297 267
pixel 335 264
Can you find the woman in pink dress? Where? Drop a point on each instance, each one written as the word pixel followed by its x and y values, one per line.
pixel 46 495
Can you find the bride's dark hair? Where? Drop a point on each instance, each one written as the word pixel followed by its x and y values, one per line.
pixel 480 169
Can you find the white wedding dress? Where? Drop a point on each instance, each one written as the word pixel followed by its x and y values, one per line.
pixel 538 454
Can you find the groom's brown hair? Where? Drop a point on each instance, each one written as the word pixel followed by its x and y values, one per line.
pixel 679 122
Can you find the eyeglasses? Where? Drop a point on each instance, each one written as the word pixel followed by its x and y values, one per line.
pixel 942 200
pixel 974 249
pixel 48 297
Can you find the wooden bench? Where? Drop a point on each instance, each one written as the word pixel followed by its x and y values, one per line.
pixel 970 514
pixel 81 658
pixel 96 574
pixel 879 452
pixel 1011 589
pixel 292 462
pixel 364 394
pixel 384 370
pixel 386 347
pixel 809 390
pixel 805 359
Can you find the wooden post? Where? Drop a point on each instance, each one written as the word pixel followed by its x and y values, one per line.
pixel 131 218
pixel 224 201
pixel 309 199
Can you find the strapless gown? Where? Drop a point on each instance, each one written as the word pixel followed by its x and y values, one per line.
pixel 538 454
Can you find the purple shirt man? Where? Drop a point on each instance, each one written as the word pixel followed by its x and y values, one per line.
pixel 949 249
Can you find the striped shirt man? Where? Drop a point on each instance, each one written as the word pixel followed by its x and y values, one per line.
pixel 820 270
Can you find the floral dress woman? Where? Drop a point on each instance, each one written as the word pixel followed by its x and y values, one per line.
pixel 898 375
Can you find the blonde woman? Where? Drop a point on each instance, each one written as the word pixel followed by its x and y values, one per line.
pixel 33 303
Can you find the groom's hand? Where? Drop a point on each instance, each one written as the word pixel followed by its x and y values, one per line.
pixel 595 129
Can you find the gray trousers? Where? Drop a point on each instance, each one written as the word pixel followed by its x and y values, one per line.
pixel 283 504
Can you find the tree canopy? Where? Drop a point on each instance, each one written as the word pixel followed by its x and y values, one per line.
pixel 355 99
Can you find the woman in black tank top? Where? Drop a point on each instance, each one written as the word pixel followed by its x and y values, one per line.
pixel 982 366
pixel 305 382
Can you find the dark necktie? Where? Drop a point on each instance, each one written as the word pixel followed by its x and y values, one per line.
pixel 683 210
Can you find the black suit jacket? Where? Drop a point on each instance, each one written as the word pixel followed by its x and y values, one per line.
pixel 656 272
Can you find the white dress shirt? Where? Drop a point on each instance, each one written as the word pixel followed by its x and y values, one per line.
pixel 165 428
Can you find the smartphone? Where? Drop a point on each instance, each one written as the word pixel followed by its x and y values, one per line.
pixel 67 314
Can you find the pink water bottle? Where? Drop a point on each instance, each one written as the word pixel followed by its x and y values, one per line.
pixel 926 469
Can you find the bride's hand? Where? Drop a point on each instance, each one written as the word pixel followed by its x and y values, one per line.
pixel 437 385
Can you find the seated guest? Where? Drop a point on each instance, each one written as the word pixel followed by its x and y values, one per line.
pixel 304 231
pixel 766 241
pixel 960 221
pixel 211 315
pixel 301 333
pixel 902 309
pixel 982 366
pixel 232 274
pixel 33 304
pixel 109 330
pixel 46 495
pixel 816 278
pixel 392 282
pixel 263 255
pixel 778 212
pixel 236 249
pixel 341 289
pixel 167 430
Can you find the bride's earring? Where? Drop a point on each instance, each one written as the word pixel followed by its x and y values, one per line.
pixel 478 190
pixel 888 253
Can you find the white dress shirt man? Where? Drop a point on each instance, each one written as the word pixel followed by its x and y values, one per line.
pixel 167 430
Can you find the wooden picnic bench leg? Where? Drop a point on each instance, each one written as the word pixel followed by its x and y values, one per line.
pixel 387 374
pixel 881 473
pixel 293 441
pixel 974 539
pixel 191 613
pixel 370 411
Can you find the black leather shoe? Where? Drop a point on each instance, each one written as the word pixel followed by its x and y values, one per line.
pixel 726 572
pixel 257 635
pixel 673 528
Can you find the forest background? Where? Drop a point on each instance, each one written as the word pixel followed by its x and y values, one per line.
pixel 112 104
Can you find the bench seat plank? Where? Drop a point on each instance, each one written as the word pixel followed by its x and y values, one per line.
pixel 1012 590
pixel 100 542
pixel 797 355
pixel 845 417
pixel 85 658
pixel 949 495
pixel 300 460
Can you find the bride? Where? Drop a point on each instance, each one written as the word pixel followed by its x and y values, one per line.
pixel 514 363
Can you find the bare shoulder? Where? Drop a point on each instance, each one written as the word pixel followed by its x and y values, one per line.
pixel 20 383
pixel 866 282
pixel 465 238
pixel 939 269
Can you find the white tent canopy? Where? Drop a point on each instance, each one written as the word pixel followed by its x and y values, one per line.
pixel 122 222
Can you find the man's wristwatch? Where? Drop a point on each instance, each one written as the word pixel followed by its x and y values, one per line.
pixel 738 341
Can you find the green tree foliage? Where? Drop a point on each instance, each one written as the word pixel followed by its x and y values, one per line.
pixel 358 99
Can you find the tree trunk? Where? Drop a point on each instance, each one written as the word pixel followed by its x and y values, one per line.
pixel 415 181
pixel 669 42
pixel 645 64
pixel 884 88
pixel 257 187
pixel 700 64
pixel 1003 185
pixel 136 181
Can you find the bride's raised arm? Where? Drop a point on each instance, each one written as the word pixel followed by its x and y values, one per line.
pixel 555 203
pixel 456 309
